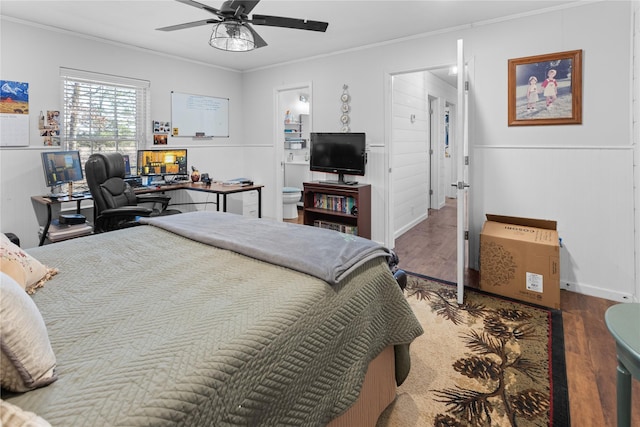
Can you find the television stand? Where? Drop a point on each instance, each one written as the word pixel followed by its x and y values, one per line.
pixel 338 206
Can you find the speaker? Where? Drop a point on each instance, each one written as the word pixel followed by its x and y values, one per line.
pixel 72 219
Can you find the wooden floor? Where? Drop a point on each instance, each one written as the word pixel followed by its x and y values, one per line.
pixel 429 248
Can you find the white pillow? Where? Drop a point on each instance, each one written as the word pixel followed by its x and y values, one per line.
pixel 13 416
pixel 25 269
pixel 26 357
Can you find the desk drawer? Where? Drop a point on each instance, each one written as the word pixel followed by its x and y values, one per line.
pixel 243 203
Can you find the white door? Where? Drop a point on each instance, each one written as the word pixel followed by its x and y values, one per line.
pixel 461 169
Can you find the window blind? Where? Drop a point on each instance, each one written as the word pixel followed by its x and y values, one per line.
pixel 104 113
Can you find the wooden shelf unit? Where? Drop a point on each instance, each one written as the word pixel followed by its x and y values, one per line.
pixel 361 197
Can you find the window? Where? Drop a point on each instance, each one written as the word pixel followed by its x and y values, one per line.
pixel 104 113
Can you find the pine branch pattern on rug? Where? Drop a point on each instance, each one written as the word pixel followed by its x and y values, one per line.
pixel 486 362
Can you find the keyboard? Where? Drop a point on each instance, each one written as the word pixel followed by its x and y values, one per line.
pixel 74 194
pixel 134 182
pixel 56 195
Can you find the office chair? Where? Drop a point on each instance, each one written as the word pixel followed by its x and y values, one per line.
pixel 115 204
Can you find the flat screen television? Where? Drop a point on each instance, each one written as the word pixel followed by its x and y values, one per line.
pixel 61 167
pixel 162 162
pixel 339 153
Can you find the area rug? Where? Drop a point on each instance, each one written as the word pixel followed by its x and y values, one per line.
pixel 488 362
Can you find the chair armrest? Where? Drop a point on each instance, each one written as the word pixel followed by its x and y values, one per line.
pixel 127 211
pixel 122 217
pixel 152 198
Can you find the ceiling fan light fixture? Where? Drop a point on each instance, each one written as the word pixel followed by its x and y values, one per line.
pixel 232 36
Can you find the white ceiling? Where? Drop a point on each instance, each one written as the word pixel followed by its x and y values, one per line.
pixel 352 24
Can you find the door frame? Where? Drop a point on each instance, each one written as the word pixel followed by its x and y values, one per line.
pixel 389 232
pixel 461 168
pixel 462 176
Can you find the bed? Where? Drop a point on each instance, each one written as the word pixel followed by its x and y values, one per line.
pixel 213 319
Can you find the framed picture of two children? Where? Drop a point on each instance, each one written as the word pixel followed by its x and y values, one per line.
pixel 546 89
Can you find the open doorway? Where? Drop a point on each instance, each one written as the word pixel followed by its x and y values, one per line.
pixel 293 124
pixel 421 144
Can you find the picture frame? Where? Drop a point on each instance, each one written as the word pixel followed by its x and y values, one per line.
pixel 545 89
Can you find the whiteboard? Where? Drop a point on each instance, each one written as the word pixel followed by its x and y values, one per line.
pixel 199 115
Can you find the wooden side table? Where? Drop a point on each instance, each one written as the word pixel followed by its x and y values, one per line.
pixel 623 321
pixel 49 203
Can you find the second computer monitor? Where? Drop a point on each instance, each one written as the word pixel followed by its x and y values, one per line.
pixel 162 162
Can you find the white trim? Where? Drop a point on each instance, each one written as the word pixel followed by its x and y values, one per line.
pixel 635 133
pixel 596 291
pixel 115 43
pixel 95 77
pixel 553 147
pixel 428 34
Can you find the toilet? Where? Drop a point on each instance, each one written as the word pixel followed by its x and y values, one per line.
pixel 290 198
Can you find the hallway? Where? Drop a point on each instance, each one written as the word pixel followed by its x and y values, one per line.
pixel 429 247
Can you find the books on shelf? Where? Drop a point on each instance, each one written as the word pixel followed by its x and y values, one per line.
pixel 343 228
pixel 344 204
pixel 58 232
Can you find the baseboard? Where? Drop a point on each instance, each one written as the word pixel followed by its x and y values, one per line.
pixel 409 226
pixel 595 291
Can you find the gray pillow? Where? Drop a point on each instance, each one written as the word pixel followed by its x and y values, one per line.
pixel 26 357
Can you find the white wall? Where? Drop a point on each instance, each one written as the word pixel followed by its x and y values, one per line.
pixel 575 174
pixel 526 171
pixel 409 149
pixel 579 175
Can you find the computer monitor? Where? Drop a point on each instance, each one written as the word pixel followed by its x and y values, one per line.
pixel 127 165
pixel 162 162
pixel 61 167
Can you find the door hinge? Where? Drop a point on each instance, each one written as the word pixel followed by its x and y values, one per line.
pixel 466 85
pixel 466 160
pixel 466 235
pixel 431 192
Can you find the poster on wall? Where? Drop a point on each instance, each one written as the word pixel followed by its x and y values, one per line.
pixel 49 126
pixel 14 113
pixel 160 132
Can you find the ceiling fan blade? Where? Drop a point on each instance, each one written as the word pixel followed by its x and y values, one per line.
pixel 238 7
pixel 189 25
pixel 200 6
pixel 259 41
pixel 280 21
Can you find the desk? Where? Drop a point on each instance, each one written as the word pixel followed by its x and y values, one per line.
pixel 49 202
pixel 217 189
pixel 623 321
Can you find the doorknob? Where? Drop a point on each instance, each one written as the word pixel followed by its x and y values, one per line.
pixel 460 185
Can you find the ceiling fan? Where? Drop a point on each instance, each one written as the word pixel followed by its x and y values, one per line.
pixel 231 29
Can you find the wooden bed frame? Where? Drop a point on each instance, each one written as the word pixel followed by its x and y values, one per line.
pixel 378 391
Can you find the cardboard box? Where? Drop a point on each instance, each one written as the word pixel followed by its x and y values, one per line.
pixel 520 259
